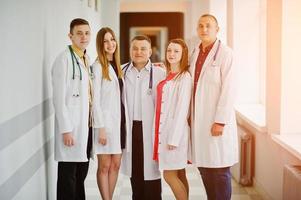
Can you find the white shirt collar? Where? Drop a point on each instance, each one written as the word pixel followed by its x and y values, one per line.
pixel 147 66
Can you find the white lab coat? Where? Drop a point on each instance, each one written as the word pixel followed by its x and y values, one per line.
pixel 107 110
pixel 151 168
pixel 174 128
pixel 214 102
pixel 71 105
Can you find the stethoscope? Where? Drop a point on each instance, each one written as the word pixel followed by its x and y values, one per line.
pixel 150 81
pixel 216 52
pixel 73 57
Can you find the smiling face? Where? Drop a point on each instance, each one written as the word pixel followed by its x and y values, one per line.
pixel 109 44
pixel 80 36
pixel 174 54
pixel 140 52
pixel 207 29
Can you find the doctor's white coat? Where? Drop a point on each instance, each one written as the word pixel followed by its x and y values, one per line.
pixel 71 105
pixel 174 129
pixel 214 102
pixel 151 168
pixel 107 110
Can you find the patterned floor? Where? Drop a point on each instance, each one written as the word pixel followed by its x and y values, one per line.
pixel 197 191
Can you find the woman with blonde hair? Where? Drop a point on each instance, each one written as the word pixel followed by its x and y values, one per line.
pixel 108 111
pixel 171 124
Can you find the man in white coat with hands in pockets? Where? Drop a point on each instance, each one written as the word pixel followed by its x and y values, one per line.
pixel 141 79
pixel 213 124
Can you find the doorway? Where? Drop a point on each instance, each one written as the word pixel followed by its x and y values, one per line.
pixel 159 26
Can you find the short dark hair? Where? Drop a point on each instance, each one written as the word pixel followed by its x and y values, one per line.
pixel 142 37
pixel 77 22
pixel 210 16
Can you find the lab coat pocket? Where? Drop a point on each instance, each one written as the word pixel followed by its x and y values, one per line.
pixel 74 114
pixel 172 156
pixel 108 122
pixel 213 74
pixel 74 98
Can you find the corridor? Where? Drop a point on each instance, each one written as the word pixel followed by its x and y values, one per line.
pixel 263 34
pixel 197 191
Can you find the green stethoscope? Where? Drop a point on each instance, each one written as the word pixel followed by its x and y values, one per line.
pixel 73 57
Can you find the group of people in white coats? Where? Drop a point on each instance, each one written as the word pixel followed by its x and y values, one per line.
pixel 146 120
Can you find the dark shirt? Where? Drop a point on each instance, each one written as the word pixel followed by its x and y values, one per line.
pixel 199 63
pixel 122 123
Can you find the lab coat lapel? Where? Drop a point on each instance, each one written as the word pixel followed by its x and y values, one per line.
pixel 79 60
pixel 114 77
pixel 209 58
pixel 130 76
pixel 194 58
pixel 112 73
pixel 145 82
pixel 146 70
pixel 81 63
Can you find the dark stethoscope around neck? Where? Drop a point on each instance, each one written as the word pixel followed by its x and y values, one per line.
pixel 216 52
pixel 73 57
pixel 150 81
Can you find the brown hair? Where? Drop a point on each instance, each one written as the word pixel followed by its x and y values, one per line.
pixel 142 37
pixel 77 22
pixel 101 54
pixel 184 59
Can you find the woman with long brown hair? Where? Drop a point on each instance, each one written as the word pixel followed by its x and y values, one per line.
pixel 109 111
pixel 171 124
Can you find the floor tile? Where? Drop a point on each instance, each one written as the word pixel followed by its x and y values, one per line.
pixel 196 189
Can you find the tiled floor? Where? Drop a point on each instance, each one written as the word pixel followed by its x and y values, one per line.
pixel 197 191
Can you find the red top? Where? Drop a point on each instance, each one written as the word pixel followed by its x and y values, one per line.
pixel 158 112
pixel 199 64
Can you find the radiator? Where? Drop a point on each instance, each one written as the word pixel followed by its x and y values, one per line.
pixel 243 171
pixel 292 182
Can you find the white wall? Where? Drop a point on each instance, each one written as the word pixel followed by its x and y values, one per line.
pixel 197 8
pixel 270 159
pixel 247 42
pixel 282 95
pixel 33 32
pixel 218 8
pixel 32 35
pixel 110 15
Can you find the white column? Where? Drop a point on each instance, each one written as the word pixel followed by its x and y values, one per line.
pixel 290 67
pixel 273 75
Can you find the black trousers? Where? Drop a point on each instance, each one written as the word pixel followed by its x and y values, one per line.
pixel 141 189
pixel 71 177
